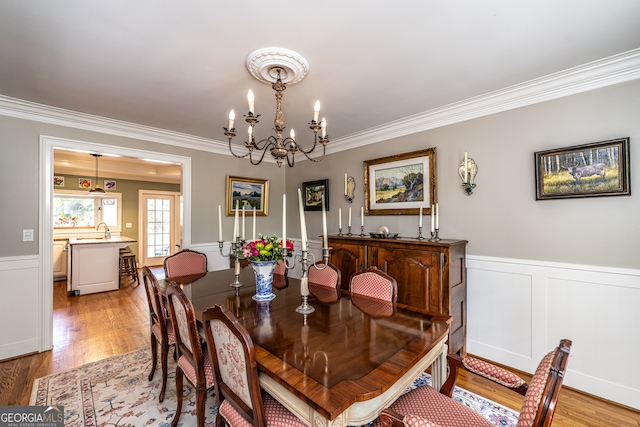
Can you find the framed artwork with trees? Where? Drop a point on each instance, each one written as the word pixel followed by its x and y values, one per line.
pixel 401 184
pixel 589 170
pixel 248 192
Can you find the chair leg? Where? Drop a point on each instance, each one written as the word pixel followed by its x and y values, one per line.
pixel 165 356
pixel 179 392
pixel 201 400
pixel 154 356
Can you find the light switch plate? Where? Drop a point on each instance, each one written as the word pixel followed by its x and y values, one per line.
pixel 27 235
pixel 128 225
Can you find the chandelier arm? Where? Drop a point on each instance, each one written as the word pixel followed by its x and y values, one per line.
pixel 264 151
pixel 319 159
pixel 235 155
pixel 269 141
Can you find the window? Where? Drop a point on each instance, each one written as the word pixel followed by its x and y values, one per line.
pixel 80 210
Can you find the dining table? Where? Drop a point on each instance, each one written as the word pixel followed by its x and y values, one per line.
pixel 339 365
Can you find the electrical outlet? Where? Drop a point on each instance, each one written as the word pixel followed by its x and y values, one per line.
pixel 128 225
pixel 27 235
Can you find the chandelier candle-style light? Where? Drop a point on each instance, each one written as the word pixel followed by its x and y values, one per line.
pixel 278 67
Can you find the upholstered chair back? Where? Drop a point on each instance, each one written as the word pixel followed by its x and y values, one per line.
pixel 184 263
pixel 375 284
pixel 328 276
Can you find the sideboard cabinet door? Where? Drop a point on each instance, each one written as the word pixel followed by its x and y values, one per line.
pixel 418 276
pixel 349 258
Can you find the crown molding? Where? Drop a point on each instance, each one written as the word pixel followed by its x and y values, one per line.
pixel 594 75
pixel 608 71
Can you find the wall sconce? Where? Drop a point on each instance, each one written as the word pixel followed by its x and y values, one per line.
pixel 468 171
pixel 349 187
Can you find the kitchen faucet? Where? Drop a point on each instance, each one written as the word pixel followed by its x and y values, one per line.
pixel 107 233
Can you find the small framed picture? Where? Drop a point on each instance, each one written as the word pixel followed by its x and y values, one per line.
pixel 58 181
pixel 84 182
pixel 589 170
pixel 249 193
pixel 313 192
pixel 109 184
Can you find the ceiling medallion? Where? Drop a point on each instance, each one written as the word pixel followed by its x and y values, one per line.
pixel 277 67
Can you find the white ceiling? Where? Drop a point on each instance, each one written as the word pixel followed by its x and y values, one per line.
pixel 180 66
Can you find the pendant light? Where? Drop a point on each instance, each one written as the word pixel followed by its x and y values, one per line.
pixel 97 190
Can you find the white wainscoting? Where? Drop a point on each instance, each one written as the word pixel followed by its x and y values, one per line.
pixel 518 310
pixel 20 305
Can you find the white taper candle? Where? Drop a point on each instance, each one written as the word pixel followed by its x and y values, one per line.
pixel 303 223
pixel 219 223
pixel 325 241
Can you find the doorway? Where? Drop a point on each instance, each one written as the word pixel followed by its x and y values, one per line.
pixel 47 146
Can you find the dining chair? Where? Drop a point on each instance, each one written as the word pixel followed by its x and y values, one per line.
pixel 426 407
pixel 374 283
pixel 184 263
pixel 194 361
pixel 281 268
pixel 373 307
pixel 161 327
pixel 328 276
pixel 241 401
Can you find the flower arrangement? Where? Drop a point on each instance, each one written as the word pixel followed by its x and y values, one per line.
pixel 265 249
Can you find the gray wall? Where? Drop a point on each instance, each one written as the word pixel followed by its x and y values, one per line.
pixel 502 217
pixel 19 165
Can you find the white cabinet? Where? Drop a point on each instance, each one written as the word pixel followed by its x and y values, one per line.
pixel 95 264
pixel 60 255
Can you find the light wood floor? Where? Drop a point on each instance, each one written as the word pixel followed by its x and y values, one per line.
pixel 93 327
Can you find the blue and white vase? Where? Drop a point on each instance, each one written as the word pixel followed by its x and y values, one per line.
pixel 264 279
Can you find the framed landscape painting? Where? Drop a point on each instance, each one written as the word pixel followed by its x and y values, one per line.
pixel 313 192
pixel 589 170
pixel 400 184
pixel 247 192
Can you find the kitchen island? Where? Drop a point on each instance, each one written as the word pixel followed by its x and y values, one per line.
pixel 95 264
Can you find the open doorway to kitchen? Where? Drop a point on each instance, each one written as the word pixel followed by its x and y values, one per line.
pixel 47 147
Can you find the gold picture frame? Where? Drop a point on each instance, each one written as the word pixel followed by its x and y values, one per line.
pixel 386 180
pixel 252 192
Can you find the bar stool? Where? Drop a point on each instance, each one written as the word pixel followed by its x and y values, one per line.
pixel 128 265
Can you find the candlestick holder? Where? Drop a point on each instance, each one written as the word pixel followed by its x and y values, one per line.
pixel 349 233
pixel 233 249
pixel 468 170
pixel 434 236
pixel 340 231
pixel 361 231
pixel 305 257
pixel 420 237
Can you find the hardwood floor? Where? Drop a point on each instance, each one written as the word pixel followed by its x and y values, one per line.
pixel 97 326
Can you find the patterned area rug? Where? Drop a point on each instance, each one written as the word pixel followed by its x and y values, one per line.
pixel 116 392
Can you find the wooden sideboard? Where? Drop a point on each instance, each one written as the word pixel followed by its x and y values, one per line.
pixel 430 275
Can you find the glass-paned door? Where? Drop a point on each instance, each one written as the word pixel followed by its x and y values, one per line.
pixel 160 234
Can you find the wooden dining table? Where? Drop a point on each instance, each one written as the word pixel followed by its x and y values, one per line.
pixel 338 366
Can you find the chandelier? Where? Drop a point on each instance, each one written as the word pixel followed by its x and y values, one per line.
pixel 278 67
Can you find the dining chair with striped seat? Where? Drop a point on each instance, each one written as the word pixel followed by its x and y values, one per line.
pixel 427 407
pixel 374 283
pixel 241 401
pixel 161 327
pixel 194 360
pixel 184 263
pixel 281 268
